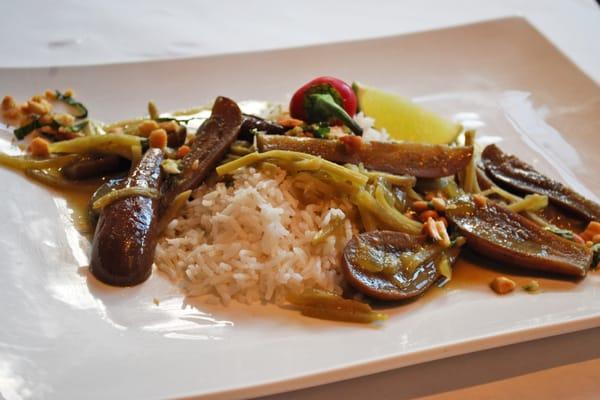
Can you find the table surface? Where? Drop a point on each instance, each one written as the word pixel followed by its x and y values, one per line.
pixel 42 33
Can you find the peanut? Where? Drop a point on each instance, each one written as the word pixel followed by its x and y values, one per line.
pixel 503 285
pixel 158 139
pixel 8 103
pixel 39 147
pixel 146 127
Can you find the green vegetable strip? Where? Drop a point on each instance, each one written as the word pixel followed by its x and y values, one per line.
pixel 152 110
pixel 52 177
pixel 117 194
pixel 368 221
pixel 26 162
pixel 327 230
pixel 302 162
pixel 25 130
pixel 470 184
pixel 531 202
pixel 388 215
pixel 325 305
pixel 113 143
pixel 82 111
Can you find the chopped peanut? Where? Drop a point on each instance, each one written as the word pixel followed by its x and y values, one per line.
pixel 420 206
pixel 158 139
pixel 183 151
pixel 50 94
pixel 591 231
pixel 195 165
pixel 146 127
pixel 596 238
pixel 445 238
pixel 24 107
pixel 503 285
pixel 65 119
pixel 437 231
pixel 480 201
pixel 69 93
pixel 8 103
pixel 431 230
pixel 46 119
pixel 38 108
pixel 39 147
pixel 290 122
pixel 438 204
pixel 12 114
pixel 532 286
pixel 425 215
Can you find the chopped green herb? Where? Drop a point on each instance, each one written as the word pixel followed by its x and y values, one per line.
pixel 82 110
pixel 25 130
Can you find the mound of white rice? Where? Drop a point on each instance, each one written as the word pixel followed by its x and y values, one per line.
pixel 250 240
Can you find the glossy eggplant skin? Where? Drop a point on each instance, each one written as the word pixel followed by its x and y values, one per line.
pixel 252 122
pixel 95 166
pixel 498 233
pixel 420 160
pixel 125 238
pixel 377 285
pixel 211 143
pixel 513 174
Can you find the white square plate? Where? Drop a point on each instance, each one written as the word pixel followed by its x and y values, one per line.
pixel 63 335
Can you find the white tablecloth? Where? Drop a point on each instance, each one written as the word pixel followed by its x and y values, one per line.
pixel 72 32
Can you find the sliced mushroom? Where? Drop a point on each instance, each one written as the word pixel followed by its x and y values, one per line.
pixel 510 172
pixel 496 232
pixel 389 265
pixel 420 160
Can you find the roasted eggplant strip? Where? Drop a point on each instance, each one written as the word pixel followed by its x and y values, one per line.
pixel 126 233
pixel 209 146
pixel 511 173
pixel 95 166
pixel 496 232
pixel 377 264
pixel 177 137
pixel 420 160
pixel 253 124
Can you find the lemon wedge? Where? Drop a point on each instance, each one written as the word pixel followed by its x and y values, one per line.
pixel 403 119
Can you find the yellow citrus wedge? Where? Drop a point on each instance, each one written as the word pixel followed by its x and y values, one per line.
pixel 403 119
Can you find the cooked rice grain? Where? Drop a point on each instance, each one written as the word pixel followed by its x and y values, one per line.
pixel 250 240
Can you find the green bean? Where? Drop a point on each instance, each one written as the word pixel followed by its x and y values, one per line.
pixel 116 194
pixel 26 162
pixel 112 143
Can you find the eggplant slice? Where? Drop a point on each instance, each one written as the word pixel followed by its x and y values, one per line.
pixel 420 160
pixel 211 143
pixel 125 238
pixel 498 233
pixel 384 247
pixel 513 174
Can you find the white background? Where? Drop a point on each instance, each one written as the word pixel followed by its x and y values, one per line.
pixel 48 33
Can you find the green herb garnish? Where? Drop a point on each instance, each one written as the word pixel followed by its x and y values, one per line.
pixel 82 110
